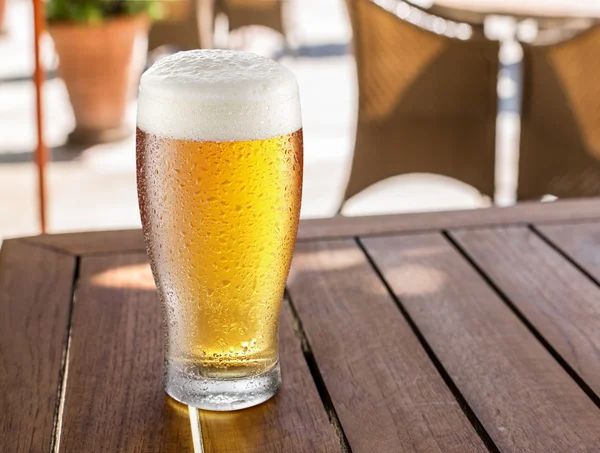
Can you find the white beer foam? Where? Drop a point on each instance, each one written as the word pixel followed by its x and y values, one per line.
pixel 218 95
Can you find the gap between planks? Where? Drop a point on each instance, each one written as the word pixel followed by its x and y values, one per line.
pixel 563 253
pixel 316 375
pixel 196 428
pixel 462 402
pixel 64 368
pixel 535 332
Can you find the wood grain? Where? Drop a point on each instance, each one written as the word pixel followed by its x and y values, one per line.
pixel 387 393
pixel 339 227
pixel 117 241
pixel 344 227
pixel 580 241
pixel 293 421
pixel 35 294
pixel 114 399
pixel 522 396
pixel 557 299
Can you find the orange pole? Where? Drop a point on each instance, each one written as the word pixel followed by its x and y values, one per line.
pixel 41 155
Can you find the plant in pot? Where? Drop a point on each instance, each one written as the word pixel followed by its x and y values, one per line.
pixel 101 46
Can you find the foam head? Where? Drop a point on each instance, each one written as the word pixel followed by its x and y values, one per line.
pixel 218 95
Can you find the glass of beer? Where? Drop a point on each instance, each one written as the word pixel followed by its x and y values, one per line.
pixel 219 172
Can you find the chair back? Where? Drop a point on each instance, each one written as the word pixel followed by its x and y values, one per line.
pixel 179 27
pixel 560 124
pixel 241 13
pixel 427 102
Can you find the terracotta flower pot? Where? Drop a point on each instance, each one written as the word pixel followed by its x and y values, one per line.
pixel 2 11
pixel 100 65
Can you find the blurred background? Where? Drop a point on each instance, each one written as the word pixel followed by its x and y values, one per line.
pixel 451 104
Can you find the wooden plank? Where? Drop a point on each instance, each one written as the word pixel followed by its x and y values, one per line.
pixel 558 300
pixel 114 399
pixel 293 421
pixel 580 241
pixel 522 396
pixel 339 227
pixel 117 241
pixel 35 293
pixel 387 393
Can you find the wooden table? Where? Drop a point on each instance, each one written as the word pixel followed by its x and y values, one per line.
pixel 453 332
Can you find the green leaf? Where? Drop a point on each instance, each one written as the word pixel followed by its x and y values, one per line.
pixel 94 11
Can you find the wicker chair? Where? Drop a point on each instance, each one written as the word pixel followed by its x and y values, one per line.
pixel 179 28
pixel 240 13
pixel 189 24
pixel 560 125
pixel 427 102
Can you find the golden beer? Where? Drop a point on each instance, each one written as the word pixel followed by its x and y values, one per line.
pixel 220 219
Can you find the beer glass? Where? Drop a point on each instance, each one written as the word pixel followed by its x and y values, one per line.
pixel 219 172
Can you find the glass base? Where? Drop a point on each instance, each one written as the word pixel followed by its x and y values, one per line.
pixel 223 394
